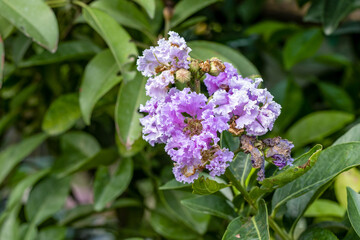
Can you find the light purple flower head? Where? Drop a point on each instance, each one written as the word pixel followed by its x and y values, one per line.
pixel 220 162
pixel 213 83
pixel 157 87
pixel 170 54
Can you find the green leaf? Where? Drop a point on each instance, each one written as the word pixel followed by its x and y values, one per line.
pixel 228 141
pixel 315 12
pixel 211 204
pixel 35 19
pixel 205 50
pixel 62 114
pixel 116 37
pixel 173 184
pixel 316 126
pixel 301 46
pixel 19 47
pixel 170 228
pixel 334 11
pixel 337 97
pixel 148 6
pixel 131 95
pixel 255 228
pixel 353 209
pixel 99 77
pixel 350 179
pixel 107 188
pixel 241 167
pixel 46 198
pixel 206 186
pixel 301 165
pixel 71 50
pixel 352 135
pixel 12 155
pixel 77 149
pixel 318 234
pixel 2 60
pixel 10 228
pixel 268 28
pixel 186 8
pixel 5 27
pixel 332 161
pixel 53 233
pixel 325 208
pixel 124 12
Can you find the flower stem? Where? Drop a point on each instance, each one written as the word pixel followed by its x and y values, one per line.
pixel 278 230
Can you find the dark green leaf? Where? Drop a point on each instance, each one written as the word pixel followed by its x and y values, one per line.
pixel 332 161
pixel 353 209
pixel 316 126
pixel 186 8
pixel 318 234
pixel 337 97
pixel 46 198
pixel 71 50
pixel 2 60
pixel 205 50
pixel 5 27
pixel 206 186
pixel 148 6
pixel 34 18
pixel 301 46
pixel 212 205
pixel 107 188
pixel 268 28
pixel 19 47
pixel 228 141
pixel 131 95
pixel 241 167
pixel 315 12
pixel 334 11
pixel 11 156
pixel 99 77
pixel 352 135
pixel 53 233
pixel 62 114
pixel 255 228
pixel 173 184
pixel 116 37
pixel 124 12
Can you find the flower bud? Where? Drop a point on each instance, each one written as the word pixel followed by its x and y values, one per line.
pixel 183 75
pixel 216 67
pixel 168 13
pixel 205 66
pixel 194 66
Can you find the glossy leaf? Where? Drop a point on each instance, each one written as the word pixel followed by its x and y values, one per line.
pixel 107 188
pixel 62 114
pixel 211 204
pixel 342 157
pixel 35 19
pixel 325 208
pixel 99 77
pixel 148 6
pixel 301 46
pixel 131 95
pixel 241 167
pixel 186 8
pixel 205 50
pixel 350 179
pixel 118 40
pixel 228 141
pixel 71 50
pixel 205 186
pixel 318 233
pixel 46 198
pixel 173 184
pixel 334 11
pixel 77 149
pixel 350 136
pixel 318 125
pixel 12 155
pixel 255 228
pixel 353 209
pixel 337 97
pixel 124 12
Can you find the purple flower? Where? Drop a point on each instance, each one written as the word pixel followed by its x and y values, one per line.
pixel 158 86
pixel 170 54
pixel 220 162
pixel 280 150
pixel 249 107
pixel 213 83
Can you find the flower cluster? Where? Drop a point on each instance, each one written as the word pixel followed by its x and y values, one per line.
pixel 189 123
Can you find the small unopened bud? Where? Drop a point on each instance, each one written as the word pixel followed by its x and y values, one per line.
pixel 194 66
pixel 216 67
pixel 205 66
pixel 168 13
pixel 183 75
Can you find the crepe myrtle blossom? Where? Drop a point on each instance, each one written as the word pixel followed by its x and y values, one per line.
pixel 279 150
pixel 246 106
pixel 171 54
